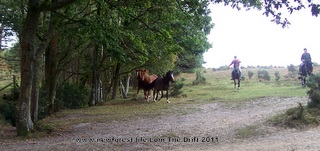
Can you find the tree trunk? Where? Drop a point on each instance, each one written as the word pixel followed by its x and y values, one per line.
pixel 127 85
pixel 1 35
pixel 95 95
pixel 125 88
pixel 51 73
pixel 116 82
pixel 24 121
pixel 35 92
pixel 28 59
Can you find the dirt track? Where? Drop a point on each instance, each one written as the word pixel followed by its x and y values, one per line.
pixel 216 124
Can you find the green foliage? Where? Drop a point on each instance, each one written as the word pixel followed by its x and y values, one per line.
pixel 225 67
pixel 292 70
pixel 71 96
pixel 297 117
pixel 277 75
pixel 200 79
pixel 9 106
pixel 250 74
pixel 264 74
pixel 300 115
pixel 9 110
pixel 314 91
pixel 177 88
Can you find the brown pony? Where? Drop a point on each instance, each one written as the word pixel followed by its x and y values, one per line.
pixel 144 80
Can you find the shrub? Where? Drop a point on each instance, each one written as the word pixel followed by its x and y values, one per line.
pixel 264 74
pixel 71 96
pixel 292 70
pixel 277 75
pixel 9 107
pixel 250 74
pixel 176 89
pixel 225 67
pixel 314 92
pixel 200 79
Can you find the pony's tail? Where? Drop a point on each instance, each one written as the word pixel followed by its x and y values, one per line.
pixel 151 85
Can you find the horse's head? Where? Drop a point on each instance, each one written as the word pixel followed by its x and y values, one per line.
pixel 170 75
pixel 142 74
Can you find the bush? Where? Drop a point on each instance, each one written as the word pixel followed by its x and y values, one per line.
pixel 200 79
pixel 292 70
pixel 250 74
pixel 68 96
pixel 300 117
pixel 264 74
pixel 314 92
pixel 9 111
pixel 9 107
pixel 71 96
pixel 176 89
pixel 277 75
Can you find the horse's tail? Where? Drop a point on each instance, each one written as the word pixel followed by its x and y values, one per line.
pixel 151 85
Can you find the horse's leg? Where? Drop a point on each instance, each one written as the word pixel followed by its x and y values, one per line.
pixel 137 93
pixel 154 95
pixel 161 95
pixel 234 83
pixel 239 83
pixel 147 95
pixel 157 92
pixel 167 97
pixel 303 81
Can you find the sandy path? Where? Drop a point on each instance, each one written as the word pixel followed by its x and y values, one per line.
pixel 216 124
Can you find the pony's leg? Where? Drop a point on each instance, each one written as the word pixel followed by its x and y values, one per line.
pixel 167 97
pixel 157 93
pixel 161 95
pixel 137 93
pixel 302 81
pixel 239 83
pixel 154 95
pixel 234 83
pixel 147 95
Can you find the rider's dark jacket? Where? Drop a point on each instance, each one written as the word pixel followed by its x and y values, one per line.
pixel 306 57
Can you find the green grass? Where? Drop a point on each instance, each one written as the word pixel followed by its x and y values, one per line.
pixel 220 86
pixel 248 131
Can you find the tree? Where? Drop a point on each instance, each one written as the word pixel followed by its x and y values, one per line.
pixel 29 54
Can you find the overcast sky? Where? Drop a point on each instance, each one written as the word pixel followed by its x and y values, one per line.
pixel 257 41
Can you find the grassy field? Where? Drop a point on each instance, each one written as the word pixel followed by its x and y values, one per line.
pixel 220 87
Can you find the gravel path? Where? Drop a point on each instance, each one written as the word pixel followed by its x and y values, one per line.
pixel 209 127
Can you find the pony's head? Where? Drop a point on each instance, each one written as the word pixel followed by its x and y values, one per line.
pixel 170 75
pixel 141 74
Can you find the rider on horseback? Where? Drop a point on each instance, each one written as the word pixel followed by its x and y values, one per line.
pixel 306 60
pixel 236 64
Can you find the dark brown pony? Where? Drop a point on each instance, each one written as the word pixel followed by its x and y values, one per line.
pixel 144 80
pixel 162 83
pixel 236 76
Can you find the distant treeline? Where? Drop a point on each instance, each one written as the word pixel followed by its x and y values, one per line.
pixel 226 67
